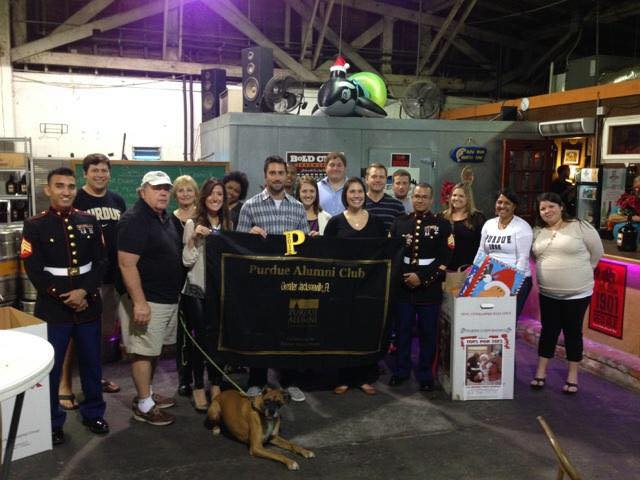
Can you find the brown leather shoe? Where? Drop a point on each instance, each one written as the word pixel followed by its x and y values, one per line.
pixel 155 416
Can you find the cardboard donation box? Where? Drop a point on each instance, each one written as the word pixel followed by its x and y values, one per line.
pixel 477 343
pixel 34 429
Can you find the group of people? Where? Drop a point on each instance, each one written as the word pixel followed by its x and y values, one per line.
pixel 148 264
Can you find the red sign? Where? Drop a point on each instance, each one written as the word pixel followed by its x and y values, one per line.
pixel 607 303
pixel 400 159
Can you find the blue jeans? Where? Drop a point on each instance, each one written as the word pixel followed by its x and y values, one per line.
pixel 427 317
pixel 87 337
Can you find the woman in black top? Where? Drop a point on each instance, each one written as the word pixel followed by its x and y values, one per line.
pixel 466 222
pixel 236 186
pixel 355 222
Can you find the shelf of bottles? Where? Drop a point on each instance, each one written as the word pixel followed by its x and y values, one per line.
pixel 16 180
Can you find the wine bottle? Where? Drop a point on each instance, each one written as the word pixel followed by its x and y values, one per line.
pixel 11 186
pixel 23 184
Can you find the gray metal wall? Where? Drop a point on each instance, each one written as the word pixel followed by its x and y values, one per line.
pixel 246 140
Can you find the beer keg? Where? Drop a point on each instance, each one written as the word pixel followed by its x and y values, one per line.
pixel 27 307
pixel 8 265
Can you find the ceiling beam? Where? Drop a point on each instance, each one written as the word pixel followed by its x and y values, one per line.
pixel 103 62
pixel 19 21
pixel 364 39
pixel 309 32
pixel 325 25
pixel 84 31
pixel 411 16
pixel 83 15
pixel 332 37
pixel 434 43
pixel 236 18
pixel 468 50
pixel 456 31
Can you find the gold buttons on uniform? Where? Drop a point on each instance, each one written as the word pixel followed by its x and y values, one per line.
pixel 73 244
pixel 74 261
pixel 69 227
pixel 66 220
pixel 74 253
pixel 51 240
pixel 71 235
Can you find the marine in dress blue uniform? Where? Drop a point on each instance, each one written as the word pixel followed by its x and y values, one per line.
pixel 428 248
pixel 65 258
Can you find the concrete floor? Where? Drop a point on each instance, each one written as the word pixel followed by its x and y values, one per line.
pixel 399 433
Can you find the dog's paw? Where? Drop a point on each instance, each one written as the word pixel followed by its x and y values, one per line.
pixel 215 430
pixel 308 454
pixel 293 466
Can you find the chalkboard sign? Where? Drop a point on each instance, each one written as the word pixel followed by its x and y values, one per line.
pixel 126 175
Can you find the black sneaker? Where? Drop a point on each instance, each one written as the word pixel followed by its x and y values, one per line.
pixel 57 436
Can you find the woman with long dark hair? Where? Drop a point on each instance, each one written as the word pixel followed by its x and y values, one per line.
pixel 355 222
pixel 566 251
pixel 307 194
pixel 212 215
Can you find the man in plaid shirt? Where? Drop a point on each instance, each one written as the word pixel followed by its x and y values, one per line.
pixel 273 211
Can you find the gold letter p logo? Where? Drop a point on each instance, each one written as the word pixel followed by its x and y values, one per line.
pixel 293 238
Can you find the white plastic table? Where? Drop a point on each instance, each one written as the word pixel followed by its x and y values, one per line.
pixel 25 359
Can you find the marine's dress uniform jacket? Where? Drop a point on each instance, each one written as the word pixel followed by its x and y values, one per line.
pixel 431 246
pixel 63 251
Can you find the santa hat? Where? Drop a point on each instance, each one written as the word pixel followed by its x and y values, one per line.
pixel 340 65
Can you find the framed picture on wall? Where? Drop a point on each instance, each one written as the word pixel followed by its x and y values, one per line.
pixel 571 153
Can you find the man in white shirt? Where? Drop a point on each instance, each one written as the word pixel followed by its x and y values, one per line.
pixel 330 187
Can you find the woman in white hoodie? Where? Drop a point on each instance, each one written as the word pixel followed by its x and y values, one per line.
pixel 566 251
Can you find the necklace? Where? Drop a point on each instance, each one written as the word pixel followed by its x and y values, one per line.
pixel 357 222
pixel 502 225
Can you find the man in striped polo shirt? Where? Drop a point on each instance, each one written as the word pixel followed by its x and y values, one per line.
pixel 379 203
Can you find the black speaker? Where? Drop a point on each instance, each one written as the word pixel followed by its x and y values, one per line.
pixel 509 113
pixel 213 82
pixel 257 70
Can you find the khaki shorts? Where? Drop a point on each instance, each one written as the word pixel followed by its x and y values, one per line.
pixel 148 339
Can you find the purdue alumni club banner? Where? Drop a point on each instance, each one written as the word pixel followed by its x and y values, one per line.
pixel 299 301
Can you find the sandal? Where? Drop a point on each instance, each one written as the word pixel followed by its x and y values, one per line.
pixel 68 398
pixel 109 387
pixel 567 388
pixel 200 400
pixel 341 389
pixel 537 383
pixel 368 389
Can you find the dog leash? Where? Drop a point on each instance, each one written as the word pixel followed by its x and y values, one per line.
pixel 206 356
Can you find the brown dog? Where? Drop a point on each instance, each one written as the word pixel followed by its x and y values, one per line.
pixel 256 422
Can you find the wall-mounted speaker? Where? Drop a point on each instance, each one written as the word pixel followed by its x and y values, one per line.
pixel 257 70
pixel 213 82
